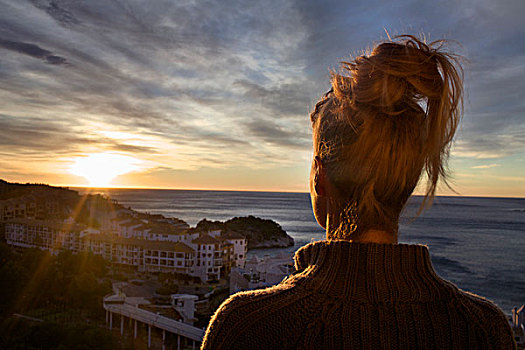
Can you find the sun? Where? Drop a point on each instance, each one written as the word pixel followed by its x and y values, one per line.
pixel 100 168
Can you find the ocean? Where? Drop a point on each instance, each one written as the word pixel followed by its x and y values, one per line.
pixel 476 243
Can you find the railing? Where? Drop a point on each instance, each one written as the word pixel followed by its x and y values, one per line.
pixel 159 321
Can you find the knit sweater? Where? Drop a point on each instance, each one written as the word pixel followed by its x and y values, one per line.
pixel 359 296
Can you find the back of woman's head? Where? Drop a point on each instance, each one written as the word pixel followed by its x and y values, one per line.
pixel 391 115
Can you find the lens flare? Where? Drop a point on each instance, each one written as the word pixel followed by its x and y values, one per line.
pixel 101 168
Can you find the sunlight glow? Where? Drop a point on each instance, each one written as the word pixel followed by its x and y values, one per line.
pixel 100 168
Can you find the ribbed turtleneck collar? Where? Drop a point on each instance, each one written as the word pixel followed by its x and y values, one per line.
pixel 371 272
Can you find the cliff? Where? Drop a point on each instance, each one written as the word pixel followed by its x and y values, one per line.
pixel 260 233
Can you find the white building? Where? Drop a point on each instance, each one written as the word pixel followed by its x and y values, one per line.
pixel 153 247
pixel 44 234
pixel 261 273
pixel 240 247
pixel 209 257
pixel 184 304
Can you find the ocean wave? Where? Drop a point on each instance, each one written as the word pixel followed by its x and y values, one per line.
pixel 445 264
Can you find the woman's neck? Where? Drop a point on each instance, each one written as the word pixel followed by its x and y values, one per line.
pixel 373 236
pixel 376 236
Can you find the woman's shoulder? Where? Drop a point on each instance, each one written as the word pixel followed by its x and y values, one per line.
pixel 242 311
pixel 480 306
pixel 488 317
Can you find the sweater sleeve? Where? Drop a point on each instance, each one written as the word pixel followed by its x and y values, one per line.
pixel 220 333
pixel 490 318
pixel 501 333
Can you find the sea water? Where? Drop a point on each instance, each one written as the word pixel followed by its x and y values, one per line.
pixel 476 243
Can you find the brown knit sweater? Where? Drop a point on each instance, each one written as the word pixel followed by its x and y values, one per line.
pixel 359 296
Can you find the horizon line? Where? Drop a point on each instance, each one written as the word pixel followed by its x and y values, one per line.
pixel 259 190
pixel 235 190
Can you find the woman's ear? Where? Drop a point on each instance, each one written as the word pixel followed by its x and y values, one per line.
pixel 320 178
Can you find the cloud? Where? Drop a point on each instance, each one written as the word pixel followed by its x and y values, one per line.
pixel 55 8
pixel 33 51
pixel 138 68
pixel 486 166
pixel 270 132
pixel 230 83
pixel 26 136
pixel 289 99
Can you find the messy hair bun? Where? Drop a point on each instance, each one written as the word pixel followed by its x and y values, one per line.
pixel 391 115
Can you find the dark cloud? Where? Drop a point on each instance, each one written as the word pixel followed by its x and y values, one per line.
pixel 32 50
pixel 272 133
pixel 56 9
pixel 55 59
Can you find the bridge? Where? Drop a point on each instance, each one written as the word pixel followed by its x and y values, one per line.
pixel 115 304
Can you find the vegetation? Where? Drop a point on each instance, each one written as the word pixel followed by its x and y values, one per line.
pixel 174 277
pixel 20 334
pixel 167 289
pixel 61 203
pixel 259 232
pixel 64 290
pixel 12 190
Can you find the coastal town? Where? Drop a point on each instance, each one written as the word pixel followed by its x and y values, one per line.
pixel 164 278
pixel 168 270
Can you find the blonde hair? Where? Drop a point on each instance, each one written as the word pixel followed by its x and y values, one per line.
pixel 388 117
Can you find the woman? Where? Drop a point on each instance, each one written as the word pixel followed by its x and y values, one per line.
pixel 389 118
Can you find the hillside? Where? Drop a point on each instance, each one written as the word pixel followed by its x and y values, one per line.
pixel 13 190
pixel 59 203
pixel 260 233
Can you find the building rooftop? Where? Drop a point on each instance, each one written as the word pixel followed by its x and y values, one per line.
pixel 232 235
pixel 165 228
pixel 168 246
pixel 54 224
pixel 145 244
pixel 205 239
pixel 131 223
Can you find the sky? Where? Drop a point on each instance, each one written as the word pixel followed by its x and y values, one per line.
pixel 216 94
